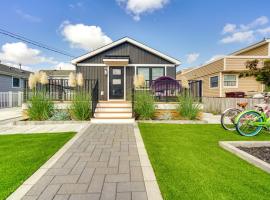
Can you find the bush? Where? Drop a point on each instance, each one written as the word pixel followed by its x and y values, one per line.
pixel 81 106
pixel 144 105
pixel 188 108
pixel 40 107
pixel 60 116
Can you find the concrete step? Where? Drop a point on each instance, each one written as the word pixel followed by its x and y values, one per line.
pixel 113 115
pixel 113 109
pixel 112 121
pixel 114 105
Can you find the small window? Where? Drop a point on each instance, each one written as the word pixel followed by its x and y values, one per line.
pixel 230 80
pixel 145 72
pixel 16 82
pixel 214 82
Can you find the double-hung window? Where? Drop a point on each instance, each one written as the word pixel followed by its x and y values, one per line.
pixel 214 82
pixel 230 80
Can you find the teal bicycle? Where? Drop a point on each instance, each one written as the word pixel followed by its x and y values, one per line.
pixel 251 122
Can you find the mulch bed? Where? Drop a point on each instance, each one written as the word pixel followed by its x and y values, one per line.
pixel 262 153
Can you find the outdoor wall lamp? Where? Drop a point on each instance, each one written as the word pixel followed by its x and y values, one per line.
pixel 105 71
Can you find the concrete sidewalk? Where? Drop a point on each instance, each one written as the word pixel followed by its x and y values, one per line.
pixel 10 113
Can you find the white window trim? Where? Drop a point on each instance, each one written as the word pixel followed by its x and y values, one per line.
pixel 210 82
pixel 12 82
pixel 236 85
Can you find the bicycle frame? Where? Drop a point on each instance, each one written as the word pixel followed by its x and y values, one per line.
pixel 265 120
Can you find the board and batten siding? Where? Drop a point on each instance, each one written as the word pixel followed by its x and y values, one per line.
pixel 136 55
pixel 258 51
pixel 96 73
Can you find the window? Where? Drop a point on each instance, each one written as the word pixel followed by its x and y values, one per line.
pixel 157 72
pixel 16 82
pixel 150 73
pixel 214 82
pixel 230 80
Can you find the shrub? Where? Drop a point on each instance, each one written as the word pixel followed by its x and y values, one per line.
pixel 40 107
pixel 60 116
pixel 188 108
pixel 81 106
pixel 144 105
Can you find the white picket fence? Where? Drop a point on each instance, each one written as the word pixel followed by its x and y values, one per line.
pixel 11 99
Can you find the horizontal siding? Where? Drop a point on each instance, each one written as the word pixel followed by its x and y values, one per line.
pixel 238 64
pixel 258 51
pixel 248 85
pixel 136 54
pixel 206 90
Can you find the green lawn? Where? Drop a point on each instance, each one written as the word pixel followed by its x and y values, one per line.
pixel 21 155
pixel 190 165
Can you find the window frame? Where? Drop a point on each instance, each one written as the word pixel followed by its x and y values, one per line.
pixel 150 71
pixel 236 81
pixel 210 85
pixel 12 83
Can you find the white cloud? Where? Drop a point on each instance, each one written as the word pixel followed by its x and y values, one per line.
pixel 84 36
pixel 137 7
pixel 215 57
pixel 247 36
pixel 245 33
pixel 19 52
pixel 264 31
pixel 76 5
pixel 27 16
pixel 192 57
pixel 17 66
pixel 64 66
pixel 229 28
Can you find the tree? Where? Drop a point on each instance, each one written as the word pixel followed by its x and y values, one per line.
pixel 261 74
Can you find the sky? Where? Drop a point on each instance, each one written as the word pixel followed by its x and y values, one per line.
pixel 192 31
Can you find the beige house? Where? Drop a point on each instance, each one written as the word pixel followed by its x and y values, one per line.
pixel 222 75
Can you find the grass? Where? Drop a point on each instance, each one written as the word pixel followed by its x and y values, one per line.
pixel 189 164
pixel 21 155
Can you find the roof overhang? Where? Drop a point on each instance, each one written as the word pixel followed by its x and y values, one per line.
pixel 126 39
pixel 115 62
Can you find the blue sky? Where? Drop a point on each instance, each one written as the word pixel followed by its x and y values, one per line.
pixel 193 31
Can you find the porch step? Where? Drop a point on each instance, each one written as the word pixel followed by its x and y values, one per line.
pixel 113 110
pixel 112 121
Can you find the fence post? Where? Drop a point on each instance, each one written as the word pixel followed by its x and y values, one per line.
pixel 9 99
pixel 20 95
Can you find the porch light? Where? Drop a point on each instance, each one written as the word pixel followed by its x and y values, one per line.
pixel 105 71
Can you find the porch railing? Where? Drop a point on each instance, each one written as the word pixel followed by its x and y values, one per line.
pixel 95 97
pixel 59 90
pixel 11 99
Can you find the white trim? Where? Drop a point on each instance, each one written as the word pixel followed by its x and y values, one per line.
pixel 90 65
pixel 12 82
pixel 165 72
pixel 248 57
pixel 151 65
pixel 210 82
pixel 126 39
pixel 237 80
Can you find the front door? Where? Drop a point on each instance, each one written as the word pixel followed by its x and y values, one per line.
pixel 116 83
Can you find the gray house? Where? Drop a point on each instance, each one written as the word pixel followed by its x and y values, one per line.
pixel 115 65
pixel 12 79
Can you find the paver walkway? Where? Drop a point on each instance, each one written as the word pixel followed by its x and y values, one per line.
pixel 102 164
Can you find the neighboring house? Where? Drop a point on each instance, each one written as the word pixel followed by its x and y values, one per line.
pixel 115 65
pixel 12 79
pixel 222 75
pixel 58 74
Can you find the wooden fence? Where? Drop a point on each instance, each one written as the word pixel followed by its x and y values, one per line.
pixel 10 99
pixel 219 104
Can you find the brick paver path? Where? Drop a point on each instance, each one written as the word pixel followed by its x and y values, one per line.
pixel 102 164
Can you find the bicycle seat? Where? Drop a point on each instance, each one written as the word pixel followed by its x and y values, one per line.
pixel 242 104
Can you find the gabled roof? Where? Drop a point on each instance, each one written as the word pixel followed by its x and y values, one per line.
pixel 13 71
pixel 264 41
pixel 126 39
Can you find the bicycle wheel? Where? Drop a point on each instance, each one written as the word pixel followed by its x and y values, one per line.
pixel 245 123
pixel 228 118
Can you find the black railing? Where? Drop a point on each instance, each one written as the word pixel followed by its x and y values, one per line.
pixel 163 91
pixel 195 89
pixel 59 90
pixel 95 97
